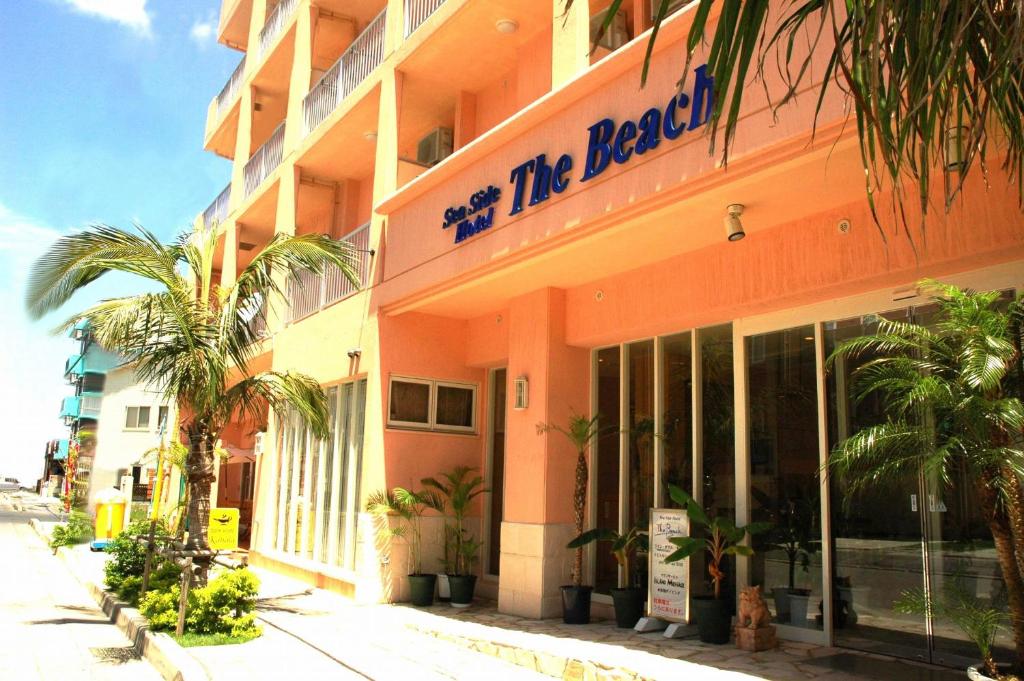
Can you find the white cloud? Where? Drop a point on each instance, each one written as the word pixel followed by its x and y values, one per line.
pixel 129 13
pixel 204 32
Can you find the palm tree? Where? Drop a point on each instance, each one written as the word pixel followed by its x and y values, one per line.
pixel 953 405
pixel 191 338
pixel 580 433
pixel 925 80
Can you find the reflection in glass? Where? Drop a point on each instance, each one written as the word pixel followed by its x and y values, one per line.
pixel 606 573
pixel 641 433
pixel 784 462
pixel 677 415
pixel 497 485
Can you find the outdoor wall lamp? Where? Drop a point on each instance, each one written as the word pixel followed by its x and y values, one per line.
pixel 954 148
pixel 733 226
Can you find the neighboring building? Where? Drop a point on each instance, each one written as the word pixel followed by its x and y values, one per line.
pixel 527 216
pixel 133 423
pixel 86 371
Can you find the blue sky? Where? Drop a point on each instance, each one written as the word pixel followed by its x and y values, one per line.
pixel 102 110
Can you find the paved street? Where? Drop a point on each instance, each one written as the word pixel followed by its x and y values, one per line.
pixel 50 628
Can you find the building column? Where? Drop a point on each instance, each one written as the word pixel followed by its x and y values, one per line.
pixel 540 467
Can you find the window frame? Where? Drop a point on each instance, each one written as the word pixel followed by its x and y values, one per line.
pixel 128 425
pixel 431 425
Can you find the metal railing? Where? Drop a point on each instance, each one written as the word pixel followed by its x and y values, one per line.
pixel 274 23
pixel 310 292
pixel 264 161
pixel 90 407
pixel 417 11
pixel 227 94
pixel 351 69
pixel 217 212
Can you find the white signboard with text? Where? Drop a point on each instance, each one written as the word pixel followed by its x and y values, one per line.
pixel 668 590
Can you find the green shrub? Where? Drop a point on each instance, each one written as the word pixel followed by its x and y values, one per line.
pixel 161 579
pixel 224 606
pixel 77 530
pixel 127 556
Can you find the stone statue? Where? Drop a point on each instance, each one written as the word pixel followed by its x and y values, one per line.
pixel 754 630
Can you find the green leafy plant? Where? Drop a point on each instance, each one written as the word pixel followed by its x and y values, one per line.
pixel 979 620
pixel 77 530
pixel 954 411
pixel 724 538
pixel 623 546
pixel 224 606
pixel 792 528
pixel 458 488
pixel 190 338
pixel 408 508
pixel 127 557
pixel 581 433
pixel 162 578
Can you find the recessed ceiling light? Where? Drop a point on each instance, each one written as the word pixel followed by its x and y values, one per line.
pixel 506 26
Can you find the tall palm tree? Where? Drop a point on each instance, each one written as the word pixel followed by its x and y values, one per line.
pixel 915 74
pixel 191 338
pixel 953 404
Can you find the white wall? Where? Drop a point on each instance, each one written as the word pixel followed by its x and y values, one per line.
pixel 118 447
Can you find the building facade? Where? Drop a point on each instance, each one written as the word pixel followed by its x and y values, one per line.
pixel 540 236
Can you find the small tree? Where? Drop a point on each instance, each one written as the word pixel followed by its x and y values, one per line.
pixel 581 432
pixel 458 490
pixel 624 548
pixel 408 507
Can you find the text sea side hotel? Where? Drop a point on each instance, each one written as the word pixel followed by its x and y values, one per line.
pixel 574 239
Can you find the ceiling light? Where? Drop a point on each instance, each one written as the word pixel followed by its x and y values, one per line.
pixel 733 226
pixel 506 26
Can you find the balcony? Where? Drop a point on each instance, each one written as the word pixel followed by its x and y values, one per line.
pixel 264 161
pixel 70 408
pixel 272 27
pixel 227 95
pixel 217 212
pixel 311 292
pixel 233 28
pixel 73 367
pixel 61 453
pixel 417 11
pixel 352 68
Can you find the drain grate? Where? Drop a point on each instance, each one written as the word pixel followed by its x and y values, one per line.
pixel 118 655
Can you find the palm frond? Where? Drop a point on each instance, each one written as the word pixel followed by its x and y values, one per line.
pixel 280 390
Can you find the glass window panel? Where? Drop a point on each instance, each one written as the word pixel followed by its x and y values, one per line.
pixel 359 427
pixel 344 417
pixel 454 406
pixel 131 417
pixel 299 466
pixel 784 462
pixel 328 474
pixel 497 485
pixel 607 469
pixel 310 502
pixel 641 434
pixel 410 402
pixel 143 417
pixel 677 415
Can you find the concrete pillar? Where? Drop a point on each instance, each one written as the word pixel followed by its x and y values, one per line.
pixel 465 119
pixel 540 468
pixel 302 68
pixel 570 41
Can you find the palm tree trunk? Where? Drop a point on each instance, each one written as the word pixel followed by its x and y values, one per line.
pixel 1002 535
pixel 199 476
pixel 1015 511
pixel 579 499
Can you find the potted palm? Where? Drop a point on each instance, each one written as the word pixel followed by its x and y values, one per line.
pixel 713 613
pixel 953 392
pixel 581 432
pixel 457 489
pixel 408 508
pixel 792 532
pixel 629 597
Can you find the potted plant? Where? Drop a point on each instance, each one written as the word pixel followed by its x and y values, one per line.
pixel 408 507
pixel 458 488
pixel 792 532
pixel 581 432
pixel 713 613
pixel 629 597
pixel 979 620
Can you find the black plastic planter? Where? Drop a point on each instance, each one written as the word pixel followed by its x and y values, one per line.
pixel 576 604
pixel 714 618
pixel 462 587
pixel 421 589
pixel 629 607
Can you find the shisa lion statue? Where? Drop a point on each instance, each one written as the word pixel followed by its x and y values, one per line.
pixel 754 630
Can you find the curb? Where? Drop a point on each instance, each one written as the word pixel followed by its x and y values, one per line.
pixel 171 661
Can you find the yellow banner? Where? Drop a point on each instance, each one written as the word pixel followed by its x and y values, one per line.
pixel 223 532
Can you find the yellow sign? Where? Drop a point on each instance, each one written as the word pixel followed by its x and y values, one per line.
pixel 223 532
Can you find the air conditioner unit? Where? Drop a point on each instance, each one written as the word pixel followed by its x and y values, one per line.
pixel 615 36
pixel 435 147
pixel 257 447
pixel 673 5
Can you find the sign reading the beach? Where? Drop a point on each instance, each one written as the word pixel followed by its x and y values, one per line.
pixel 223 532
pixel 667 592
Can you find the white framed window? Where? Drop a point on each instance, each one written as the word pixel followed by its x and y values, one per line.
pixel 136 418
pixel 161 417
pixel 425 404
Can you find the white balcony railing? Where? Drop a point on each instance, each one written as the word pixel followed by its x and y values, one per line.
pixel 217 212
pixel 351 69
pixel 90 407
pixel 417 11
pixel 264 161
pixel 310 292
pixel 275 22
pixel 227 94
